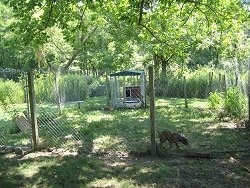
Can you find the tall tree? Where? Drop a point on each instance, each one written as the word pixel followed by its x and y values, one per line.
pixel 166 29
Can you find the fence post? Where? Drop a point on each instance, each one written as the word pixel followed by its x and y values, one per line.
pixel 108 90
pixel 210 81
pixel 33 109
pixel 248 95
pixel 152 110
pixel 185 91
pixel 58 97
pixel 224 84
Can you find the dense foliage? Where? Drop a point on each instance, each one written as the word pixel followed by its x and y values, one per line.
pixel 100 37
pixel 113 35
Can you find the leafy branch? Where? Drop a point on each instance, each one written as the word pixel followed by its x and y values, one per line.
pixel 78 51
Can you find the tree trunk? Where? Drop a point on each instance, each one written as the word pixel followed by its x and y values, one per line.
pixel 163 68
pixel 156 65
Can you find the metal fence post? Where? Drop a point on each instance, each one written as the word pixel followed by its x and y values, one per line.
pixel 152 110
pixel 33 110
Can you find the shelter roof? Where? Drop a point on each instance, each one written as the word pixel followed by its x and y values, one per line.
pixel 127 73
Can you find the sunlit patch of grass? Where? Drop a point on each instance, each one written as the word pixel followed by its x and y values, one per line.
pixel 146 170
pixel 113 182
pixel 72 116
pixel 93 104
pixel 104 143
pixel 175 109
pixel 30 169
pixel 98 116
pixel 198 103
pixel 48 106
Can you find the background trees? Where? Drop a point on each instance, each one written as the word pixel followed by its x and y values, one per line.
pixel 112 35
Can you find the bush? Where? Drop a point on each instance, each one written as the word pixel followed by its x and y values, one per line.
pixel 232 103
pixel 215 101
pixel 11 92
pixel 235 103
pixel 197 85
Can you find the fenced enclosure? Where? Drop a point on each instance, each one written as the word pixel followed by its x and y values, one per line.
pixel 209 107
pixel 72 112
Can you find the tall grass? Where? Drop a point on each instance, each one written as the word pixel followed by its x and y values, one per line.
pixel 199 83
pixel 69 87
pixel 75 87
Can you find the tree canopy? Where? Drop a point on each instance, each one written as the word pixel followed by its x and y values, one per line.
pixel 113 35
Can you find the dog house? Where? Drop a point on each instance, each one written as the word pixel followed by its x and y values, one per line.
pixel 128 89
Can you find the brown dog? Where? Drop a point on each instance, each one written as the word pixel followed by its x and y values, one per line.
pixel 171 137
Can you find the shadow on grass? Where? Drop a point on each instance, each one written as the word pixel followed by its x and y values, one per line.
pixel 108 171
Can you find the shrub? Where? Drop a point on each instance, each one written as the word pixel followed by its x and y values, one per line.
pixel 11 92
pixel 197 85
pixel 235 103
pixel 215 101
pixel 232 103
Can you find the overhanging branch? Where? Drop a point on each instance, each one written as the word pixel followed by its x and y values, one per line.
pixel 78 51
pixel 141 11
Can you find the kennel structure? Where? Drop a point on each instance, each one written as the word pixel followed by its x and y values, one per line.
pixel 128 89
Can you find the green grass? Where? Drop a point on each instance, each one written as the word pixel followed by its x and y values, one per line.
pixel 104 171
pixel 114 149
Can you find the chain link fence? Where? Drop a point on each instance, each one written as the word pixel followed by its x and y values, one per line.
pixel 15 130
pixel 111 114
pixel 207 106
pixel 92 114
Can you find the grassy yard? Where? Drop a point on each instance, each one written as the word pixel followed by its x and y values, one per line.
pixel 115 151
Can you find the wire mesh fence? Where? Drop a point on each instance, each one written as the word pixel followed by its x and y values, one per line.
pixel 84 112
pixel 15 130
pixel 110 113
pixel 209 107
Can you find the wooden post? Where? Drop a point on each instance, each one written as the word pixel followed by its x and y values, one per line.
pixel 33 110
pixel 27 99
pixel 248 95
pixel 152 110
pixel 108 90
pixel 236 79
pixel 185 91
pixel 58 97
pixel 210 81
pixel 224 84
pixel 220 82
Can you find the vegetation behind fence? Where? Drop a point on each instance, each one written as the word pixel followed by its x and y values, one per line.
pixel 72 111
